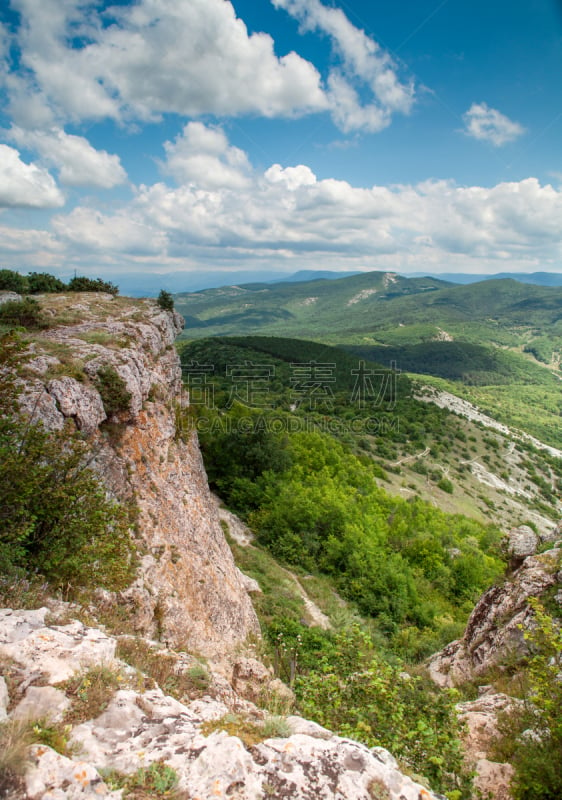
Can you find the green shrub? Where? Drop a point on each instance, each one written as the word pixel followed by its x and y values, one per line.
pixel 55 517
pixel 446 485
pixel 11 281
pixel 532 733
pixel 82 284
pixel 357 694
pixel 113 390
pixel 165 301
pixel 43 283
pixel 22 313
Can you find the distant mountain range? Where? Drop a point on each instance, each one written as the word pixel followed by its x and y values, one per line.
pixel 148 284
pixel 500 340
pixel 537 278
pixel 378 307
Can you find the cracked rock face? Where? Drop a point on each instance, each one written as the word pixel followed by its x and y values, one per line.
pixel 139 728
pixel 495 628
pixel 521 542
pixel 188 591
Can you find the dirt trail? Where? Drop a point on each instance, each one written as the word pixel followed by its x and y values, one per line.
pixel 423 454
pixel 243 536
pixel 465 409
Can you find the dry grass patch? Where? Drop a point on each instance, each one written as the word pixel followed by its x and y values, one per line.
pixel 15 738
pixel 164 670
pixel 249 731
pixel 91 692
pixel 18 591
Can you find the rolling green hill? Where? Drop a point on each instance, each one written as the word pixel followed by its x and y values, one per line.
pixel 497 342
pixel 307 309
pixel 370 304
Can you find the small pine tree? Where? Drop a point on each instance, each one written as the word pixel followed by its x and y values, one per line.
pixel 165 300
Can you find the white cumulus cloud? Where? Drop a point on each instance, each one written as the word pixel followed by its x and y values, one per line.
pixel 202 155
pixel 79 163
pixel 286 216
pixel 158 56
pixel 289 213
pixel 364 63
pixel 118 233
pixel 26 185
pixel 489 125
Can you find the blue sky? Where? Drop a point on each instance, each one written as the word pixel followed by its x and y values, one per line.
pixel 267 136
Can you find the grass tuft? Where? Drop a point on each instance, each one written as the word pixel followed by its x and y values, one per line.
pixel 15 738
pixel 162 669
pixel 91 692
pixel 155 782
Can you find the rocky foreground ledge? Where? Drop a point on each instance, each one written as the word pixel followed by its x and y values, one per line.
pixel 141 726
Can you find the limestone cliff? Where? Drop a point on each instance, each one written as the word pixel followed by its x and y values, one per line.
pixel 188 590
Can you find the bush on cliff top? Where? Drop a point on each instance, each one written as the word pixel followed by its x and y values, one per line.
pixel 44 282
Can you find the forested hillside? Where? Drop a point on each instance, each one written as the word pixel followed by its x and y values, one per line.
pixel 497 343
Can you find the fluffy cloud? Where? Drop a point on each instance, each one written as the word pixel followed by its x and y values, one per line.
pixel 37 245
pixel 120 233
pixel 192 58
pixel 288 213
pixel 292 177
pixel 488 125
pixel 158 56
pixel 287 217
pixel 203 156
pixel 363 62
pixel 79 163
pixel 26 185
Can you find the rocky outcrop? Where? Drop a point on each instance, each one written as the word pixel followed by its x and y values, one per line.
pixel 141 727
pixel 481 734
pixel 188 591
pixel 10 297
pixel 518 543
pixel 494 632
